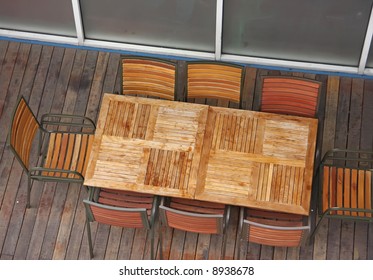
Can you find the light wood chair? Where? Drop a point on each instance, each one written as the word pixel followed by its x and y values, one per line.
pixel 122 209
pixel 195 216
pixel 271 228
pixel 219 81
pixel 345 188
pixel 68 141
pixel 290 95
pixel 148 77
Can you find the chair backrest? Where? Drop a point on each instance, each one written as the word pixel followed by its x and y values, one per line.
pixel 346 180
pixel 274 228
pixel 290 95
pixel 121 208
pixel 193 215
pixel 23 128
pixel 215 80
pixel 146 76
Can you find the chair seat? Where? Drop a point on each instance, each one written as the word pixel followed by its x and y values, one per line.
pixel 69 152
pixel 347 188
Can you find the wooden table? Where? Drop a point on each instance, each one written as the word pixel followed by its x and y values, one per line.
pixel 231 156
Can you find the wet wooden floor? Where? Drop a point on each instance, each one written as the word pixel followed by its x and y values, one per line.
pixel 57 79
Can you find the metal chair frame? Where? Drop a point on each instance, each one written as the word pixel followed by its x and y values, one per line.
pixel 65 124
pixel 358 160
pixel 222 220
pixel 148 222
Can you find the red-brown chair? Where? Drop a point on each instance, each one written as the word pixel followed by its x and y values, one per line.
pixel 195 216
pixel 272 228
pixel 290 95
pixel 123 209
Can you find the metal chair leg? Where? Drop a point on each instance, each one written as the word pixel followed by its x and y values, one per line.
pixel 160 245
pixel 28 190
pixel 224 245
pixel 152 243
pixel 312 235
pixel 89 238
pixel 239 233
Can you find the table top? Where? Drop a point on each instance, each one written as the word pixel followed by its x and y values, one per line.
pixel 196 151
pixel 147 145
pixel 258 160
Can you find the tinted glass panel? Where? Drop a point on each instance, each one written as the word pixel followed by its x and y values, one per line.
pixel 320 31
pixel 185 24
pixel 41 16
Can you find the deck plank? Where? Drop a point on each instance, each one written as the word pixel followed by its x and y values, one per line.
pixel 332 95
pixel 126 242
pixel 340 141
pixel 353 143
pixel 362 242
pixel 18 211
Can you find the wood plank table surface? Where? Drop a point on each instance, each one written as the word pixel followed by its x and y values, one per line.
pixel 147 145
pixel 258 160
pixel 196 151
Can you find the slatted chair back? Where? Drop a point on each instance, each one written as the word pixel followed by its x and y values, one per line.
pixel 272 228
pixel 195 216
pixel 68 139
pixel 148 77
pixel 122 209
pixel 346 185
pixel 218 81
pixel 290 95
pixel 23 129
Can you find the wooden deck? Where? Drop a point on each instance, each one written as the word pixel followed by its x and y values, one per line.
pixel 57 79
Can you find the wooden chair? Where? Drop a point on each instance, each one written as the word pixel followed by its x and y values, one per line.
pixel 195 216
pixel 290 95
pixel 219 81
pixel 148 77
pixel 68 141
pixel 123 209
pixel 345 188
pixel 271 228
